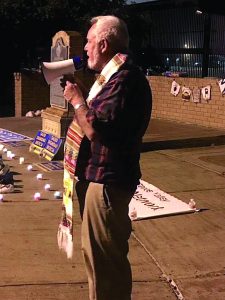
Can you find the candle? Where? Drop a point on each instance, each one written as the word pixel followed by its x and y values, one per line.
pixel 37 196
pixel 1 197
pixel 47 187
pixel 8 154
pixel 21 161
pixel 192 204
pixel 39 176
pixel 12 155
pixel 29 167
pixel 57 195
pixel 4 150
pixel 1 147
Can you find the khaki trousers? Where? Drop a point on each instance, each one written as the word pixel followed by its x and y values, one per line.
pixel 106 228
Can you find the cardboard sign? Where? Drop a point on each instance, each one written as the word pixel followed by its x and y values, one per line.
pixel 51 166
pixel 149 202
pixel 45 145
pixel 39 142
pixel 10 136
pixel 52 146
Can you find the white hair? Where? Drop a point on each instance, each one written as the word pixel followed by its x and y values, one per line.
pixel 114 30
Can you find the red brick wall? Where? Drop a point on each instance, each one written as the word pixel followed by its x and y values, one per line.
pixel 31 93
pixel 166 106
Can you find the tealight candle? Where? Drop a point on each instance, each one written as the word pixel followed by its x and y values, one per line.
pixel 8 154
pixel 39 176
pixel 12 155
pixel 29 167
pixel 1 197
pixel 57 195
pixel 47 187
pixel 37 196
pixel 21 160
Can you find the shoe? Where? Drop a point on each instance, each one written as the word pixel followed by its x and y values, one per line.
pixel 7 178
pixel 3 169
pixel 6 188
pixel 30 114
pixel 37 113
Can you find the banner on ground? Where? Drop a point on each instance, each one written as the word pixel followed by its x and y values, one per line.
pixel 10 136
pixel 149 202
pixel 51 166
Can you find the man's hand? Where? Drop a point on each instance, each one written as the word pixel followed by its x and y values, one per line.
pixel 65 78
pixel 72 93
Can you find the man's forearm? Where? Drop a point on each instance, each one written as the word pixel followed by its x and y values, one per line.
pixel 80 113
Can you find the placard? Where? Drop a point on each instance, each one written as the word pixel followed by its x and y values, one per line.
pixel 10 136
pixel 39 142
pixel 51 166
pixel 151 202
pixel 45 145
pixel 52 146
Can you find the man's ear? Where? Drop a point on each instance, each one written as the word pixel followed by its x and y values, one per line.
pixel 104 45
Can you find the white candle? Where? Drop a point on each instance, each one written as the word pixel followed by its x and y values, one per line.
pixel 12 155
pixel 57 195
pixel 29 167
pixel 1 147
pixel 37 196
pixel 1 197
pixel 8 154
pixel 39 176
pixel 47 187
pixel 21 161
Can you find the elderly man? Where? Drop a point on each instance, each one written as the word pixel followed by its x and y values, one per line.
pixel 111 123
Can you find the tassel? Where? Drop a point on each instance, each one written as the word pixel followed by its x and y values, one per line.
pixel 65 240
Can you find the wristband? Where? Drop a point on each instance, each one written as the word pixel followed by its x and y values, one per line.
pixel 78 105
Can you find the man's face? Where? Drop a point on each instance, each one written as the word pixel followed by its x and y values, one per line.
pixel 93 50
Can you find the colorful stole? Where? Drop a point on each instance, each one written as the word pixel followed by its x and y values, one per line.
pixel 71 150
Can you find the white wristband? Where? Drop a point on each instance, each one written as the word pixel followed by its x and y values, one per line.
pixel 78 105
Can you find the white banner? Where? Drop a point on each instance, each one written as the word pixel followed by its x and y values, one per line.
pixel 149 202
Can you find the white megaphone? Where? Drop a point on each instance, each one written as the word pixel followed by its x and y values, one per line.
pixel 55 69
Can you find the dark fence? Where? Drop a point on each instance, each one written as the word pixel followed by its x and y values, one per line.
pixel 188 41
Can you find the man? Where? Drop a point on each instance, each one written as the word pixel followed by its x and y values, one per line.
pixel 113 120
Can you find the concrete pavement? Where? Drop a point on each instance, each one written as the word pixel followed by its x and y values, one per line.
pixel 176 257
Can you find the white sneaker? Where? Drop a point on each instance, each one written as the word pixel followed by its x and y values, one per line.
pixel 6 188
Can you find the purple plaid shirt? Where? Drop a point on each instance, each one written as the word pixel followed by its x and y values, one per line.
pixel 120 114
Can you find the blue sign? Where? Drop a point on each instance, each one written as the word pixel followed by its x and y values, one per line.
pixel 9 136
pixel 45 145
pixel 41 139
pixel 51 166
pixel 51 147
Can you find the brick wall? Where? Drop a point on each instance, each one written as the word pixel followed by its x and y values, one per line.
pixel 169 107
pixel 31 93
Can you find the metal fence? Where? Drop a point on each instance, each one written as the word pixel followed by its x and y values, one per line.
pixel 189 41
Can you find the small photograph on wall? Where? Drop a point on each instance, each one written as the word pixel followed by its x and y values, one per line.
pixel 175 88
pixel 186 93
pixel 206 94
pixel 196 95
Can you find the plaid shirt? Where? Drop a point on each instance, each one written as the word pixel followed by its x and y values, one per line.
pixel 120 114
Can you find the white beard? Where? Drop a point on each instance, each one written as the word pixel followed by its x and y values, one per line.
pixel 94 64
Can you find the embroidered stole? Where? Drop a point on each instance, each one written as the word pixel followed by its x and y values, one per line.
pixel 71 150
